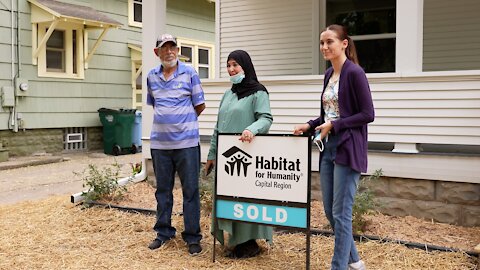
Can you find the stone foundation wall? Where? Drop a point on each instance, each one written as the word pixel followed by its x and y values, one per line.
pixel 95 138
pixel 25 143
pixel 446 202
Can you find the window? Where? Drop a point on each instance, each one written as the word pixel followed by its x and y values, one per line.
pixel 135 13
pixel 203 62
pixel 187 54
pixel 372 26
pixel 56 52
pixel 199 55
pixel 136 65
pixel 137 93
pixel 63 54
pixel 60 44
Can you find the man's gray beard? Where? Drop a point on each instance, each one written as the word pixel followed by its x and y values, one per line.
pixel 170 64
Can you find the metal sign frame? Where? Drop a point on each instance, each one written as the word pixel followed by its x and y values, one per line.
pixel 266 202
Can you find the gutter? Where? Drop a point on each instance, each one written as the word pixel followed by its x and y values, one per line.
pixel 142 175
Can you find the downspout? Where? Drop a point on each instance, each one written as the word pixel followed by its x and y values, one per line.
pixel 17 74
pixel 12 122
pixel 12 45
pixel 19 59
pixel 142 175
pixel 19 63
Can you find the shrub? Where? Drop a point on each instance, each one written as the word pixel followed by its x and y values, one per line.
pixel 365 201
pixel 102 183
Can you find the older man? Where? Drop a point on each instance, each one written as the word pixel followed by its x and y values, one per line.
pixel 175 92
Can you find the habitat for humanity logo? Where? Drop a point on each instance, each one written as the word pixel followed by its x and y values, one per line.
pixel 237 159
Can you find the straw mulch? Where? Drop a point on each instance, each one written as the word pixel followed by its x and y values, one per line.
pixel 55 234
pixel 399 228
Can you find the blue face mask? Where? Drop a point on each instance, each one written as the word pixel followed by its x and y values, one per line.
pixel 237 78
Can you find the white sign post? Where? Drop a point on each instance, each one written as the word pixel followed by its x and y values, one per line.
pixel 266 181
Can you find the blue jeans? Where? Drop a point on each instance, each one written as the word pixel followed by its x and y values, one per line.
pixel 339 185
pixel 187 163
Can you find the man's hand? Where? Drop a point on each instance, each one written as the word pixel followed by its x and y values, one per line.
pixel 199 108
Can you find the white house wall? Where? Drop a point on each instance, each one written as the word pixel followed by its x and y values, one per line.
pixel 435 109
pixel 412 107
pixel 451 35
pixel 276 33
pixel 430 109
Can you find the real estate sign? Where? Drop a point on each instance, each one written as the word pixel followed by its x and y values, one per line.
pixel 266 181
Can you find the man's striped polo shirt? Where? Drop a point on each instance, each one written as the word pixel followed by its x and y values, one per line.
pixel 175 122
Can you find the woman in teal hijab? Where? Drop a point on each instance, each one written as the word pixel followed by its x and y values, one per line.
pixel 245 108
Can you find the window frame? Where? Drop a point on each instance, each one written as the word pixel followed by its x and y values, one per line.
pixel 190 59
pixel 200 65
pixel 62 50
pixel 131 14
pixel 196 45
pixel 68 30
pixel 366 37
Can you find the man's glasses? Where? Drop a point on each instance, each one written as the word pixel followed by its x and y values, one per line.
pixel 168 48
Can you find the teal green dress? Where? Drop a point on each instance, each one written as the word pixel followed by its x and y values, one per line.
pixel 234 116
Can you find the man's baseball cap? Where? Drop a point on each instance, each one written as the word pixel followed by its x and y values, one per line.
pixel 164 39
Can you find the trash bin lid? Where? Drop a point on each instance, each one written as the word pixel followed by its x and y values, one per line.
pixel 106 110
pixel 129 111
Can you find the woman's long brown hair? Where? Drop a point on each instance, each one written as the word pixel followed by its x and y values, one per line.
pixel 341 32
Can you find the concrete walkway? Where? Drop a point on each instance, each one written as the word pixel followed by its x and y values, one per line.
pixel 37 177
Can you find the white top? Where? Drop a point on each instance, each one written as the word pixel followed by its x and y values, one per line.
pixel 330 101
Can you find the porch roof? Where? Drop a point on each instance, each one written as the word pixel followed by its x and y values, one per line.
pixel 69 12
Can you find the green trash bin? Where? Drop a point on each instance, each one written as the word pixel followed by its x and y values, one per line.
pixel 117 130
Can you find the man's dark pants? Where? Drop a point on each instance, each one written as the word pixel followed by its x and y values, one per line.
pixel 186 162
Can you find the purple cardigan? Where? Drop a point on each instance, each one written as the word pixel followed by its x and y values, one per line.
pixel 356 111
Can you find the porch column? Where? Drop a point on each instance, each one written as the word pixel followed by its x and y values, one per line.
pixel 409 49
pixel 154 24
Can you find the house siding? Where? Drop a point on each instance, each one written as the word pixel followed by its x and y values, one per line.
pixel 58 103
pixel 53 104
pixel 451 35
pixel 430 110
pixel 5 57
pixel 277 35
pixel 191 19
pixel 425 109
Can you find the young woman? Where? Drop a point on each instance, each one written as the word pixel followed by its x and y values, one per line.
pixel 346 109
pixel 245 108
